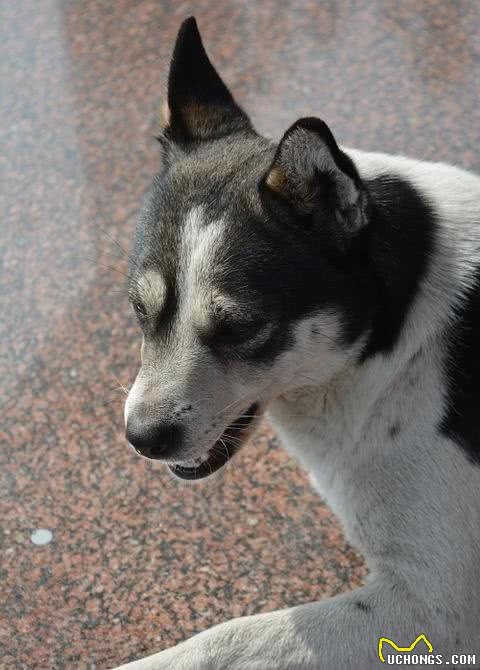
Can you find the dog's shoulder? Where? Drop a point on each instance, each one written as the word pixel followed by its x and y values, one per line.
pixel 451 286
pixel 462 370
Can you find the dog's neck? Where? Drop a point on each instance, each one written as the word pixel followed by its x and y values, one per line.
pixel 335 412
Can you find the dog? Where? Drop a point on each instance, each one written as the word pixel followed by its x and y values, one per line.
pixel 337 292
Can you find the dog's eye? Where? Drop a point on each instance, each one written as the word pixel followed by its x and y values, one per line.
pixel 240 330
pixel 140 309
pixel 233 332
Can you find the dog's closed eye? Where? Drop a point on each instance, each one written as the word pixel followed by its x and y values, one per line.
pixel 227 331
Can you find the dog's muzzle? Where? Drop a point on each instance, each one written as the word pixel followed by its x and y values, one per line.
pixel 231 440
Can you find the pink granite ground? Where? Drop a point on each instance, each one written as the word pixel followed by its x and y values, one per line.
pixel 137 561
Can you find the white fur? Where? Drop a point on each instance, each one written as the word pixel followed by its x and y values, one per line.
pixel 410 500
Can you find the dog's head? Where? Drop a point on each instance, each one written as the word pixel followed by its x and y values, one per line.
pixel 245 276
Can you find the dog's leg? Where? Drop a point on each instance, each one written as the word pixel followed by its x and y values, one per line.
pixel 340 633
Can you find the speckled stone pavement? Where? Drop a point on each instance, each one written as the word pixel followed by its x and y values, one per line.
pixel 134 561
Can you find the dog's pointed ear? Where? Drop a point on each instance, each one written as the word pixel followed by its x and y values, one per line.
pixel 200 106
pixel 315 179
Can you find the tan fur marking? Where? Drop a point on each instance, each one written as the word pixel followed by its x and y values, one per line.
pixel 276 179
pixel 165 115
pixel 198 117
pixel 202 119
pixel 152 290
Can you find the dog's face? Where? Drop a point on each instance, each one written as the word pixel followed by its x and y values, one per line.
pixel 245 274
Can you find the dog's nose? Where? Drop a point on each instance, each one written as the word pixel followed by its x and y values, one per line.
pixel 153 439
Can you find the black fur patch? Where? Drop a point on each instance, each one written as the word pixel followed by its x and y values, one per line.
pixel 373 280
pixel 400 241
pixel 362 606
pixel 284 271
pixel 394 430
pixel 461 422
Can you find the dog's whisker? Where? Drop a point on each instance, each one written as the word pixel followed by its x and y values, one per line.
pixel 226 448
pixel 246 416
pixel 102 265
pixel 233 439
pixel 103 252
pixel 110 401
pixel 121 386
pixel 232 404
pixel 125 253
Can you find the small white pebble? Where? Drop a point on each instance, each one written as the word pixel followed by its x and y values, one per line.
pixel 41 536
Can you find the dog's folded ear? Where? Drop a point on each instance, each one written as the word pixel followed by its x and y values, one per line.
pixel 315 180
pixel 200 106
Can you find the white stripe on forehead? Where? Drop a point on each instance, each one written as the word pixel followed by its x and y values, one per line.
pixel 200 239
pixel 199 246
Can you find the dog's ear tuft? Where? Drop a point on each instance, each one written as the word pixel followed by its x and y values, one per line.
pixel 200 106
pixel 314 177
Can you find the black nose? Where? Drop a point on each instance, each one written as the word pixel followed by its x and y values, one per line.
pixel 153 439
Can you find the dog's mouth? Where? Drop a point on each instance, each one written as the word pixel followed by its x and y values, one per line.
pixel 221 452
